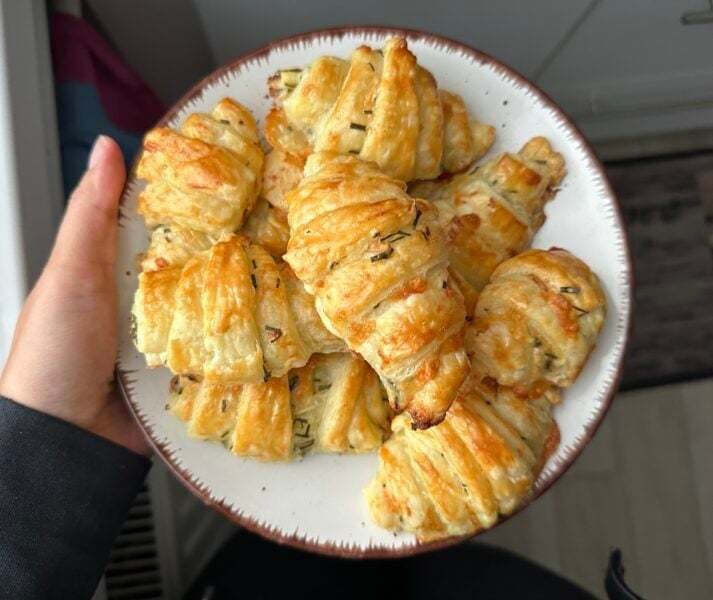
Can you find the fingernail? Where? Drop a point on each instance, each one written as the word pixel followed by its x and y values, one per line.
pixel 97 150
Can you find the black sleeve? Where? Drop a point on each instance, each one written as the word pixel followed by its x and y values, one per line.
pixel 64 493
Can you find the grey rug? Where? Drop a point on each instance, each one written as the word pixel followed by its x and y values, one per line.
pixel 668 208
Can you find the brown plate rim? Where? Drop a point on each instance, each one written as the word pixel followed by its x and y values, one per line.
pixel 330 548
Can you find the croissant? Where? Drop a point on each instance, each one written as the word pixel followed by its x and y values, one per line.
pixel 375 260
pixel 251 420
pixel 492 212
pixel 230 314
pixel 207 175
pixel 267 226
pixel 379 105
pixel 169 250
pixel 338 405
pixel 173 246
pixel 267 223
pixel 537 320
pixel 460 476
pixel 332 404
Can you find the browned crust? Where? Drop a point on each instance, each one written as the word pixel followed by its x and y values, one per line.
pixel 417 548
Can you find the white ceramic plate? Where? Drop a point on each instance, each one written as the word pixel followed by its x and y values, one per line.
pixel 316 503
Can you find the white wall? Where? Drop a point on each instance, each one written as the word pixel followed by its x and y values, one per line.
pixel 520 32
pixel 31 201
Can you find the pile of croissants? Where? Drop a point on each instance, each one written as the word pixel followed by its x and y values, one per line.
pixel 365 285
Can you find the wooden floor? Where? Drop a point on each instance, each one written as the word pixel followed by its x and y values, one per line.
pixel 645 485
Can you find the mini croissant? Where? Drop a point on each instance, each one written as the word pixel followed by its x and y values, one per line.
pixel 333 404
pixel 537 320
pixel 338 405
pixel 230 315
pixel 205 176
pixel 376 262
pixel 381 106
pixel 491 212
pixel 251 420
pixel 460 476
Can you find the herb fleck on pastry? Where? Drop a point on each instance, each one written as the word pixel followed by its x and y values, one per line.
pixel 204 176
pixel 380 105
pixel 375 260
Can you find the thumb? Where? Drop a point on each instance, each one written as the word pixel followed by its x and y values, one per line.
pixel 87 234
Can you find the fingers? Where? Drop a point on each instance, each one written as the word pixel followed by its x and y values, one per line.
pixel 87 234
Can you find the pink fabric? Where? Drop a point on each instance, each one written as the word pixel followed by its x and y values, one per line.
pixel 81 55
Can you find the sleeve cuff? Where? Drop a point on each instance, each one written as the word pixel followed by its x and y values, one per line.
pixel 65 493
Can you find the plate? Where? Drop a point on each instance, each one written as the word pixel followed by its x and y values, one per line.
pixel 316 503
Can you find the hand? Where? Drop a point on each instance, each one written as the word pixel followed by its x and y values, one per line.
pixel 63 352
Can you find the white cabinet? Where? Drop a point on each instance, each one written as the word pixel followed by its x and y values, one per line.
pixel 632 68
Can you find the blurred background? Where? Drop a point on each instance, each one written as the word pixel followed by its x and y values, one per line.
pixel 637 78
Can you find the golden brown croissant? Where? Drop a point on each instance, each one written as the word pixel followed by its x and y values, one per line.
pixel 460 476
pixel 375 260
pixel 251 420
pixel 537 320
pixel 379 105
pixel 492 211
pixel 267 226
pixel 338 405
pixel 231 314
pixel 333 404
pixel 169 250
pixel 205 176
pixel 172 246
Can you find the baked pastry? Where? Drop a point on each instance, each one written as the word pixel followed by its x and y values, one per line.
pixel 267 226
pixel 537 320
pixel 173 246
pixel 205 176
pixel 460 476
pixel 282 173
pixel 152 313
pixel 379 105
pixel 251 420
pixel 338 405
pixel 376 262
pixel 231 314
pixel 333 404
pixel 492 211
